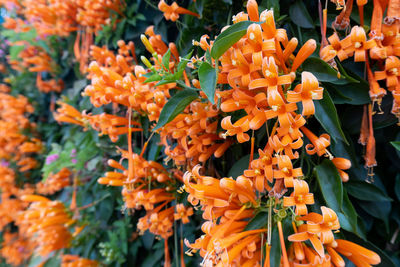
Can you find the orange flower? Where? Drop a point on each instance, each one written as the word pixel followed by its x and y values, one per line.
pixel 319 229
pixel 358 44
pixel 391 72
pixel 279 108
pixel 359 255
pixel 261 170
pixel 342 164
pixel 306 92
pixel 173 11
pixel 183 213
pixel 318 145
pixel 300 197
pixel 67 113
pixel 75 261
pixel 305 51
pixel 271 77
pixel 238 128
pixel 287 172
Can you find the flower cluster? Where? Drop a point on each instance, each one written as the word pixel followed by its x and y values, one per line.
pixel 380 51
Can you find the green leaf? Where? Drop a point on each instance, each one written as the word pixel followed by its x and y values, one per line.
pixel 322 70
pixel 208 56
pixel 153 78
pixel 208 80
pixel 175 106
pixel 300 16
pixel 325 112
pixel 349 222
pixel 229 37
pixel 275 253
pixel 397 187
pixel 345 74
pixel 330 184
pixel 379 210
pixel 396 144
pixel 366 191
pixel 182 65
pixel 53 261
pixel 239 167
pixel 357 92
pixel 257 222
pixel 15 50
pixel 165 59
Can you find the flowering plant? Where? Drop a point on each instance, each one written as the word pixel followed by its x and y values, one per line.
pixel 230 144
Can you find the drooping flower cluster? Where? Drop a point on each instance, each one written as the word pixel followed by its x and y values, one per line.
pixel 45 222
pixel 380 50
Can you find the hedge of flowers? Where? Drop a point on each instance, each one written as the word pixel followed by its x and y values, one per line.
pixel 146 133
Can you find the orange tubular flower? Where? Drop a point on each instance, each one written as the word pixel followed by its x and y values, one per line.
pixel 279 108
pixel 287 172
pixel 238 128
pixel 391 72
pixel 359 255
pixel 318 145
pixel 183 213
pixel 358 44
pixel 262 170
pixel 306 92
pixel 173 11
pixel 305 51
pixel 319 229
pixel 67 113
pixel 342 164
pixel 300 197
pixel 76 261
pixel 55 182
pixel 45 221
pixel 271 78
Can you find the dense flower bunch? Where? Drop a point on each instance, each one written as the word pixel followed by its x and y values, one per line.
pixel 45 223
pixel 35 59
pixel 380 52
pixel 16 148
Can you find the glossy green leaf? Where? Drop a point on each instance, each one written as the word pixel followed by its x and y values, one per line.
pixel 175 106
pixel 337 96
pixel 331 184
pixel 344 73
pixel 357 92
pixel 396 144
pixel 229 37
pixel 239 166
pixel 322 70
pixel 349 213
pixel 379 210
pixel 366 191
pixel 397 186
pixel 275 253
pixel 259 221
pixel 165 59
pixel 300 16
pixel 326 114
pixel 208 80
